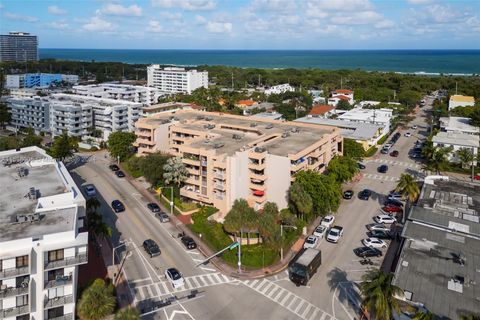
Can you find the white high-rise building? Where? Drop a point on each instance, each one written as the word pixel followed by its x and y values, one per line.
pixel 30 112
pixel 42 241
pixel 140 94
pixel 176 80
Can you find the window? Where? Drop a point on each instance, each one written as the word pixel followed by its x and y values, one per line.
pixel 55 312
pixel 55 292
pixel 22 282
pixel 55 255
pixel 23 317
pixel 54 274
pixel 22 261
pixel 22 300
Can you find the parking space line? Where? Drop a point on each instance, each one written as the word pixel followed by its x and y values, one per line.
pixel 314 314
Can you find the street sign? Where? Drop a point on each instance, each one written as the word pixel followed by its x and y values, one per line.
pixel 234 245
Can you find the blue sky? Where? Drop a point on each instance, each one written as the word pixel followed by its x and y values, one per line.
pixel 247 24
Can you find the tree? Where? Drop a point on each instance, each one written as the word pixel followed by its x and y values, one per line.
pixel 92 205
pixel 342 168
pixel 241 217
pixel 344 105
pixel 470 316
pixel 97 301
pixel 268 224
pixel 475 118
pixel 408 188
pixel 439 159
pixel 95 222
pixel 63 146
pixel 423 315
pixel 5 115
pixel 127 313
pixel 152 168
pixel 379 294
pixel 31 139
pixel 353 149
pixel 300 200
pixel 175 171
pixel 466 157
pixel 120 144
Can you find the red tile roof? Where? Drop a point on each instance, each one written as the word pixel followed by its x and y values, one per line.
pixel 342 97
pixel 247 103
pixel 320 109
pixel 344 91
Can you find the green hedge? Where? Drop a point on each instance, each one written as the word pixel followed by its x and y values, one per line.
pixel 370 152
pixel 382 140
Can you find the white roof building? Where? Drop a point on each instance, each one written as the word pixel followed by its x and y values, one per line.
pixel 458 125
pixel 380 117
pixel 457 100
pixel 176 80
pixel 115 91
pixel 279 89
pixel 457 141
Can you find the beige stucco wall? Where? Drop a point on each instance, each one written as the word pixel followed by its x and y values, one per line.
pixel 278 181
pixel 238 177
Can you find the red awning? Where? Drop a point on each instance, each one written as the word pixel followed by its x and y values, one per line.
pixel 258 193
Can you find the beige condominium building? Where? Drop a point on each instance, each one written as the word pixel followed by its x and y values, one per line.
pixel 230 157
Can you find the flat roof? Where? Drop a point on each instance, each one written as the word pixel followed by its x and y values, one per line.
pixel 359 114
pixel 461 98
pixel 460 139
pixel 458 124
pixel 349 129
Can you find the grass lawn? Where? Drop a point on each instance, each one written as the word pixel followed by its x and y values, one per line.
pixel 370 152
pixel 133 173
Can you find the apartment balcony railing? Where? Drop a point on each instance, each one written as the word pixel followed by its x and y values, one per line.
pixel 58 301
pixel 13 291
pixel 69 261
pixel 14 272
pixel 68 316
pixel 60 281
pixel 15 311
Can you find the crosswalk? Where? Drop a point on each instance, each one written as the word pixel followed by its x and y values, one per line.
pixel 299 306
pixel 396 163
pixel 379 177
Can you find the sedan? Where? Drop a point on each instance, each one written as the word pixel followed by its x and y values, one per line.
pixel 408 134
pixel 188 242
pixel 114 167
pixel 310 242
pixel 414 127
pixel 90 190
pixel 394 153
pixel 384 150
pixel 335 234
pixel 162 216
pixel 360 165
pixel 380 234
pixel 348 194
pixel 118 206
pixel 374 243
pixel 320 231
pixel 364 194
pixel 393 202
pixel 151 247
pixel 120 174
pixel 327 221
pixel 392 209
pixel 477 177
pixel 378 227
pixel 174 277
pixel 366 252
pixel 383 168
pixel 383 218
pixel 153 207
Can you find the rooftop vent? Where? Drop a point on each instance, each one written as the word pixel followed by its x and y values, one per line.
pixel 269 126
pixel 260 149
pixel 218 145
pixel 236 136
pixel 22 172
pixel 32 193
pixel 200 117
pixel 208 118
pixel 21 218
pixel 285 134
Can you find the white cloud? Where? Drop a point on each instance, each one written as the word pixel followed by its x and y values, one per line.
pixel 384 24
pixel 56 10
pixel 20 17
pixel 154 26
pixel 419 1
pixel 201 20
pixel 98 24
pixel 219 27
pixel 119 10
pixel 343 5
pixel 186 4
pixel 274 5
pixel 58 25
pixel 358 18
pixel 171 15
pixel 445 14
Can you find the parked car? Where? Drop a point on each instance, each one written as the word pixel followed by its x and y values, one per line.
pixel 334 234
pixel 120 174
pixel 397 135
pixel 361 166
pixel 408 134
pixel 327 221
pixel 395 196
pixel 392 209
pixel 114 167
pixel 414 127
pixel 151 247
pixel 118 206
pixel 384 150
pixel 310 242
pixel 162 216
pixel 388 146
pixel 374 243
pixel 366 252
pixel 477 177
pixel 380 234
pixel 90 190
pixel 383 168
pixel 188 242
pixel 348 194
pixel 393 202
pixel 385 218
pixel 378 227
pixel 174 277
pixel 364 194
pixel 153 207
pixel 394 153
pixel 416 155
pixel 320 231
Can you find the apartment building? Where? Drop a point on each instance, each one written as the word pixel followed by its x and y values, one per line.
pixel 458 100
pixel 176 80
pixel 458 125
pixel 279 89
pixel 18 47
pixel 75 117
pixel 140 94
pixel 457 141
pixel 42 241
pixel 169 107
pixel 38 80
pixel 380 117
pixel 30 112
pixel 230 157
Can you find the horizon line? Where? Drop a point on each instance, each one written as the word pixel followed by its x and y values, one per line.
pixel 173 49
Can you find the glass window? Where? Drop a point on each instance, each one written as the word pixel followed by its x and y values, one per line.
pixel 55 255
pixel 23 317
pixel 22 282
pixel 55 312
pixel 22 261
pixel 22 300
pixel 54 274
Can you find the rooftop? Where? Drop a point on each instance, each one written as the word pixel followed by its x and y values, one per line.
pixel 359 114
pixel 349 129
pixel 343 91
pixel 460 98
pixel 457 124
pixel 319 109
pixel 461 139
pixel 268 115
pixel 76 98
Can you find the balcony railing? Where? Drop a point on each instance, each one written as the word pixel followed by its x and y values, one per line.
pixel 60 281
pixel 78 259
pixel 13 291
pixel 58 301
pixel 13 272
pixel 15 311
pixel 68 316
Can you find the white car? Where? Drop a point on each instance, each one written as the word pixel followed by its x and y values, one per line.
pixel 334 234
pixel 384 218
pixel 327 221
pixel 320 231
pixel 408 134
pixel 374 243
pixel 174 277
pixel 310 242
pixel 378 227
pixel 90 190
pixel 414 127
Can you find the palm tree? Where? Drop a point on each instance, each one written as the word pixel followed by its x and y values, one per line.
pixel 466 157
pixel 470 316
pixel 379 294
pixel 92 205
pixel 408 188
pixel 175 171
pixel 127 313
pixel 300 200
pixel 97 301
pixel 423 315
pixel 439 159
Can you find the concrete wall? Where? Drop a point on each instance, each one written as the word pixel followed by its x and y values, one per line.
pixel 237 178
pixel 278 182
pixel 160 137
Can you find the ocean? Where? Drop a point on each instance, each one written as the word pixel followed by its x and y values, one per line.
pixel 462 62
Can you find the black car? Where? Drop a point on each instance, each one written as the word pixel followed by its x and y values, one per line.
pixel 118 206
pixel 360 165
pixel 114 167
pixel 384 151
pixel 120 174
pixel 380 234
pixel 364 252
pixel 151 247
pixel 162 216
pixel 153 207
pixel 364 194
pixel 188 242
pixel 348 194
pixel 393 202
pixel 383 168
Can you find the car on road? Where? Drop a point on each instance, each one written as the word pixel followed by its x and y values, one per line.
pixel 364 194
pixel 383 168
pixel 174 277
pixel 380 234
pixel 414 127
pixel 162 216
pixel 120 174
pixel 310 242
pixel 384 150
pixel 118 206
pixel 477 177
pixel 392 209
pixel 385 218
pixel 361 166
pixel 394 153
pixel 393 202
pixel 334 234
pixel 90 190
pixel 153 207
pixel 348 194
pixel 320 231
pixel 327 221
pixel 367 252
pixel 378 226
pixel 416 155
pixel 374 243
pixel 114 167
pixel 151 247
pixel 408 134
pixel 188 242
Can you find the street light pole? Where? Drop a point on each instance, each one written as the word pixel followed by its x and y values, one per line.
pixel 240 252
pixel 171 197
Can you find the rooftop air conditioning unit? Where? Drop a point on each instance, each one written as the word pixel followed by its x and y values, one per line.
pixel 269 126
pixel 260 149
pixel 21 218
pixel 218 145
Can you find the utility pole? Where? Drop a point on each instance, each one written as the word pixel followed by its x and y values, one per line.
pixel 259 80
pixel 456 87
pixel 341 82
pixel 394 94
pixel 240 252
pixel 232 81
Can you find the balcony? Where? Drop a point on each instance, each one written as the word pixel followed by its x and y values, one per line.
pixel 15 311
pixel 258 176
pixel 13 291
pixel 257 186
pixel 58 282
pixel 256 165
pixel 220 186
pixel 219 175
pixel 14 272
pixel 68 316
pixel 58 301
pixel 69 261
pixel 193 162
pixel 145 141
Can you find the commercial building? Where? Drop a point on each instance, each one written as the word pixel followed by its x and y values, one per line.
pixel 38 80
pixel 279 89
pixel 230 157
pixel 42 241
pixel 380 117
pixel 169 107
pixel 438 265
pixel 457 100
pixel 176 80
pixel 18 47
pixel 140 94
pixel 458 125
pixel 457 141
